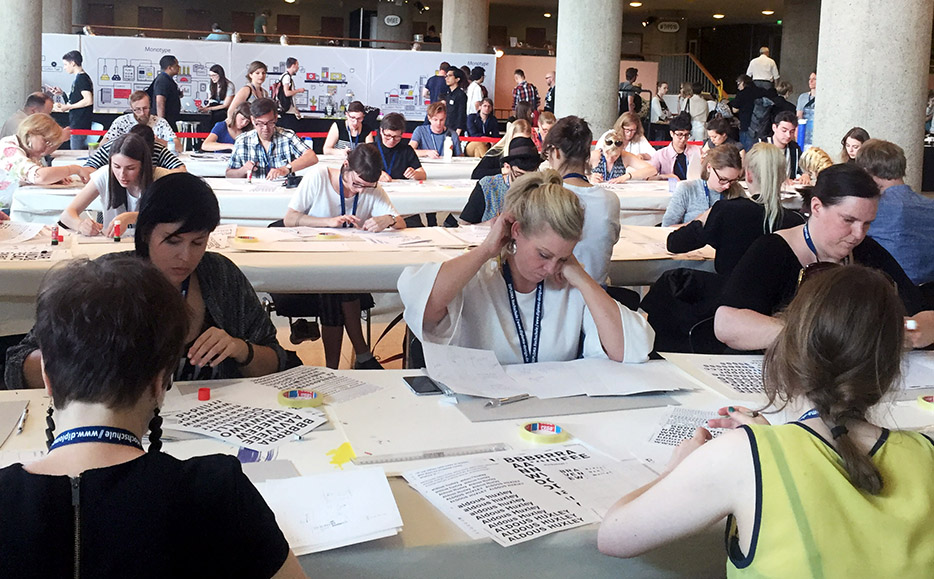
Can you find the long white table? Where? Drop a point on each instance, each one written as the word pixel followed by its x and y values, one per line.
pixel 260 202
pixel 638 259
pixel 429 544
pixel 215 164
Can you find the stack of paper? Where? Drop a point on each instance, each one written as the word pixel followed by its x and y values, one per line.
pixel 334 388
pixel 327 511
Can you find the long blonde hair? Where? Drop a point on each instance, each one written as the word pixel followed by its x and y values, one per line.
pixel 767 163
pixel 501 147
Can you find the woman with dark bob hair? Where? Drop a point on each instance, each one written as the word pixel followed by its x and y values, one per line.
pixel 825 495
pixel 111 331
pixel 229 334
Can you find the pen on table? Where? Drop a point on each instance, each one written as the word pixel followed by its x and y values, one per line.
pixel 507 400
pixel 22 419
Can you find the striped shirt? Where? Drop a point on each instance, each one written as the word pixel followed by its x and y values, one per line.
pixel 161 157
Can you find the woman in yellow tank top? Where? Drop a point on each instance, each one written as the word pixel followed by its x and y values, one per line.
pixel 830 495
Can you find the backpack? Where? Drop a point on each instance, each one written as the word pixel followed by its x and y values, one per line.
pixel 277 94
pixel 637 103
pixel 760 125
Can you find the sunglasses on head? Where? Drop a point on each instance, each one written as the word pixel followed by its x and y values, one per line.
pixel 611 142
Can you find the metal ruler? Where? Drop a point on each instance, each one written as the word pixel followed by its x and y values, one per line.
pixel 430 454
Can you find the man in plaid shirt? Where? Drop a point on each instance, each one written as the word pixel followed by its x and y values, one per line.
pixel 268 151
pixel 524 91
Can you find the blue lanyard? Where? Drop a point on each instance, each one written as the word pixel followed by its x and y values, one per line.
pixel 810 243
pixel 685 164
pixel 706 192
pixel 528 355
pixel 353 140
pixel 812 413
pixel 105 434
pixel 434 142
pixel 606 166
pixel 356 197
pixel 575 175
pixel 392 160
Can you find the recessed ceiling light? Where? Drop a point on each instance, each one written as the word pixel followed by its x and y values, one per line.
pixel 635 4
pixel 719 16
pixel 768 12
pixel 547 14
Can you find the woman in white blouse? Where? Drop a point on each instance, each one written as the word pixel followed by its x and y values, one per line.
pixel 521 293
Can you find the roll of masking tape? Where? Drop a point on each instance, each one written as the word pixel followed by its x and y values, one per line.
pixel 543 433
pixel 300 398
pixel 926 402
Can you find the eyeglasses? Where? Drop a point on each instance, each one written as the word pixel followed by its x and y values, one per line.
pixel 611 142
pixel 264 124
pixel 723 181
pixel 390 137
pixel 681 134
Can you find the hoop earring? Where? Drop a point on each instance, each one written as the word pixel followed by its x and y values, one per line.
pixel 155 432
pixel 511 247
pixel 50 428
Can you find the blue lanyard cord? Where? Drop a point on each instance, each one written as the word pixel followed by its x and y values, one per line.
pixel 356 197
pixel 580 176
pixel 685 164
pixel 105 434
pixel 434 141
pixel 529 355
pixel 812 413
pixel 392 160
pixel 810 243
pixel 706 191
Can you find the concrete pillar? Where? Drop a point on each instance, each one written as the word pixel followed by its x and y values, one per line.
pixel 587 67
pixel 56 16
pixel 401 12
pixel 800 30
pixel 21 49
pixel 872 72
pixel 79 13
pixel 465 26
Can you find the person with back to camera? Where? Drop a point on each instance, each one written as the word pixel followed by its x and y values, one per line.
pixel 527 261
pixel 348 196
pixel 828 495
pixel 489 194
pixel 672 162
pixel 491 162
pixel 230 334
pixel 613 164
pixel 732 224
pixel 842 206
pixel 111 332
pixel 720 175
pixel 813 161
pixel 567 150
pixel 852 141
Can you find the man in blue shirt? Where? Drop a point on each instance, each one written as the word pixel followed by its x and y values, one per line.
pixel 905 220
pixel 435 87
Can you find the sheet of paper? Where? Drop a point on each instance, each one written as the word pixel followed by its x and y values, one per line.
pixel 12 232
pixel 254 428
pixel 336 389
pixel 550 379
pixel 471 234
pixel 219 238
pixel 608 378
pixel 390 238
pixel 469 371
pixel 330 510
pixel 33 253
pixel 10 413
pixel 677 424
pixel 919 370
pixel 495 497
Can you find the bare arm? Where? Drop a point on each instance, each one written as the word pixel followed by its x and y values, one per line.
pixel 295 218
pixel 32 370
pixel 331 141
pixel 71 216
pixel 240 172
pixel 743 329
pixel 603 308
pixel 87 99
pixel 212 144
pixel 637 167
pixel 238 99
pixel 307 159
pixel 50 175
pixel 160 106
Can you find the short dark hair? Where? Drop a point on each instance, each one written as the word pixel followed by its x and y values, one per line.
pixel 519 72
pixel 719 125
pixel 290 61
pixel 477 72
pixel 632 73
pixel 445 65
pixel 37 100
pixel 680 122
pixel 73 56
pixel 167 61
pixel 176 198
pixel 572 136
pixel 133 146
pixel 366 162
pixel 356 107
pixel 107 329
pixel 458 74
pixel 392 122
pixel 145 131
pixel 261 107
pixel 785 117
pixel 745 79
pixel 882 159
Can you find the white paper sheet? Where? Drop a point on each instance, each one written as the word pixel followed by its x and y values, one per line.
pixel 331 510
pixel 33 253
pixel 469 371
pixel 919 370
pixel 335 389
pixel 219 238
pixel 12 232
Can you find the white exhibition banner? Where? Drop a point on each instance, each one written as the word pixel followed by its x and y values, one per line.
pixel 119 65
pixel 391 80
pixel 54 47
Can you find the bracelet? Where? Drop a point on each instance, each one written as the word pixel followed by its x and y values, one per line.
pixel 249 355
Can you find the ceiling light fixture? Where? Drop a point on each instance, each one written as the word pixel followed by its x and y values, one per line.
pixel 635 4
pixel 719 16
pixel 547 14
pixel 768 12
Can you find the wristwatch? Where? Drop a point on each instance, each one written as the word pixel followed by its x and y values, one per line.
pixel 289 167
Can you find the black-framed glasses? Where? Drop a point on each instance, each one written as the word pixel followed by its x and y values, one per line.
pixel 726 182
pixel 681 134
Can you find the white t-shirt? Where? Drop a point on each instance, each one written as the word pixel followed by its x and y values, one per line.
pixel 641 146
pixel 101 180
pixel 480 317
pixel 315 196
pixel 601 229
pixel 474 94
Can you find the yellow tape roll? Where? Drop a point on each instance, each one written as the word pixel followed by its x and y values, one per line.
pixel 926 402
pixel 543 433
pixel 300 398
